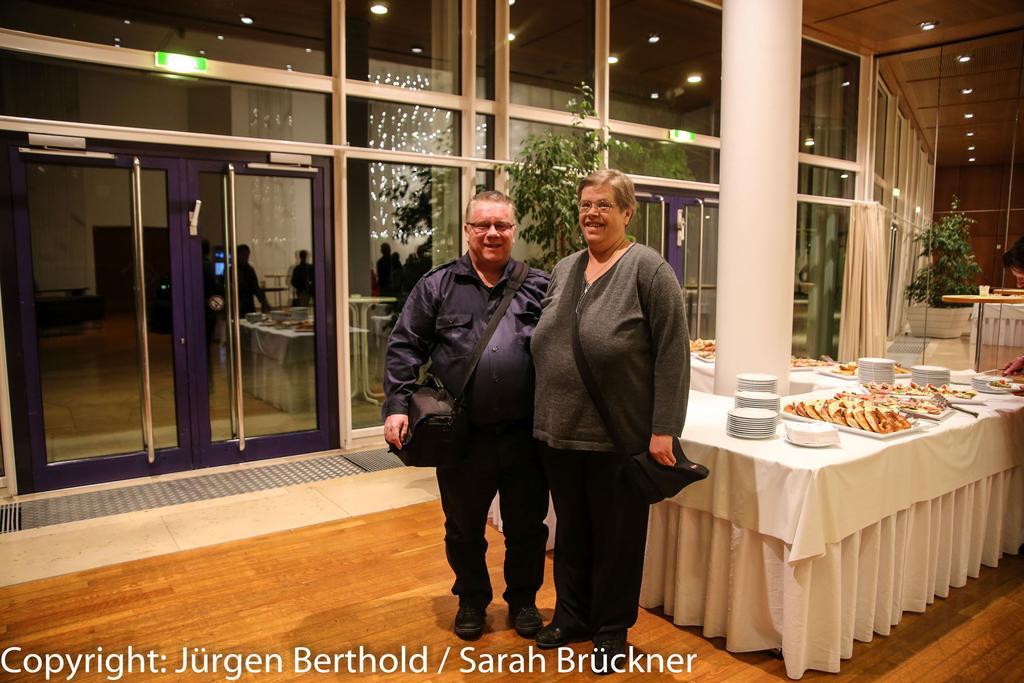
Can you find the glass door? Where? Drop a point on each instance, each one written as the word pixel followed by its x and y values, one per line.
pixel 259 271
pixel 697 219
pixel 100 318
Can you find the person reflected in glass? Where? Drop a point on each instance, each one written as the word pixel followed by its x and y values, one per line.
pixel 632 328
pixel 384 270
pixel 302 280
pixel 249 288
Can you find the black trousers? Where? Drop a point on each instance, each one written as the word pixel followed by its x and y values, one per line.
pixel 508 464
pixel 599 541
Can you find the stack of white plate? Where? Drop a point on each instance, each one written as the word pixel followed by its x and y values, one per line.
pixel 752 423
pixel 757 381
pixel 880 370
pixel 929 374
pixel 758 399
pixel 981 383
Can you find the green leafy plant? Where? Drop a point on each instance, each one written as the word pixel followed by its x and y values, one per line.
pixel 544 178
pixel 951 267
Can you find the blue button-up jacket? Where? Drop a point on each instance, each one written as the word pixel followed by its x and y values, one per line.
pixel 443 318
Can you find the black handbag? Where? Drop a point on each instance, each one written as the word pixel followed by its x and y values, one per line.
pixel 652 481
pixel 437 417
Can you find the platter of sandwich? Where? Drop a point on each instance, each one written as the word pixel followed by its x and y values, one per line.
pixel 855 414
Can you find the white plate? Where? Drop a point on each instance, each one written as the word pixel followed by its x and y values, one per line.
pixel 752 437
pixel 810 368
pixel 916 427
pixel 831 372
pixel 811 445
pixel 937 418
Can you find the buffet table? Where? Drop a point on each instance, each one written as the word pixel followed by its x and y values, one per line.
pixel 808 549
pixel 278 366
pixel 702 378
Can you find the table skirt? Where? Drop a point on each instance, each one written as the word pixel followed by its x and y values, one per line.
pixel 739 584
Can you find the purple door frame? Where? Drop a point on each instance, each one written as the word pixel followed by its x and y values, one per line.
pixel 194 449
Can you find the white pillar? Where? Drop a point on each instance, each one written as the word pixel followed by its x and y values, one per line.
pixel 757 216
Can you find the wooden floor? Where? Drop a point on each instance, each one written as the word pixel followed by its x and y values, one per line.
pixel 381 581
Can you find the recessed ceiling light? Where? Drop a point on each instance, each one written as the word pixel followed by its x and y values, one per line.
pixel 416 49
pixel 246 19
pixel 963 59
pixel 117 40
pixel 970 134
pixel 928 25
pixel 967 91
pixel 971 159
pixel 844 176
pixel 655 95
pixel 117 44
pixel 970 148
pixel 378 8
pixel 694 78
pixel 511 36
pixel 612 59
pixel 309 50
pixel 845 84
pixel 809 142
pixel 220 37
pixel 202 52
pixel 653 38
pixel 127 21
pixel 968 115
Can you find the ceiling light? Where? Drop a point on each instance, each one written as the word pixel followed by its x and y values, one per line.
pixel 202 52
pixel 967 91
pixel 117 40
pixel 246 19
pixel 971 159
pixel 694 78
pixel 308 50
pixel 809 142
pixel 653 38
pixel 970 134
pixel 970 148
pixel 127 21
pixel 968 115
pixel 612 59
pixel 288 66
pixel 928 25
pixel 117 44
pixel 416 49
pixel 963 59
pixel 378 8
pixel 654 96
pixel 220 37
pixel 845 84
pixel 511 36
pixel 844 176
pixel 511 2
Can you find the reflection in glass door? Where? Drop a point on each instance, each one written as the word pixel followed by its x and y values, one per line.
pixel 697 219
pixel 261 251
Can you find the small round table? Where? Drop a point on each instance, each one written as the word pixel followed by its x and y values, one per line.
pixel 981 301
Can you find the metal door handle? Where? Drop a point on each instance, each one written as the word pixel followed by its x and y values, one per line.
pixel 236 355
pixel 141 319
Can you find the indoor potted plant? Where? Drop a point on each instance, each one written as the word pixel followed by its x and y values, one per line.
pixel 950 268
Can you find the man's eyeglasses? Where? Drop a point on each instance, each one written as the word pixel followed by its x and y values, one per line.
pixel 602 207
pixel 482 227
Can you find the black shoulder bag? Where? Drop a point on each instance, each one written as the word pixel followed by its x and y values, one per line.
pixel 437 417
pixel 653 481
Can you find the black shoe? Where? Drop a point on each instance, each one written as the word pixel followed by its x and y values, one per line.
pixel 526 620
pixel 552 636
pixel 605 648
pixel 469 623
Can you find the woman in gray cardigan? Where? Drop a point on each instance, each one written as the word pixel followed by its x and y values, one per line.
pixel 632 329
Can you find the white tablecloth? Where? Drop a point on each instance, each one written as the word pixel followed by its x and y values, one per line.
pixel 702 378
pixel 279 366
pixel 807 549
pixel 1003 325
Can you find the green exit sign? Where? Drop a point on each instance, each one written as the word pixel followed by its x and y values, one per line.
pixel 183 64
pixel 681 136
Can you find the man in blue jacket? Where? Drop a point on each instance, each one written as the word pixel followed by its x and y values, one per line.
pixel 442 320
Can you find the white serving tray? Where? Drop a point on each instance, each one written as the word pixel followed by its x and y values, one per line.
pixel 936 418
pixel 916 427
pixel 831 372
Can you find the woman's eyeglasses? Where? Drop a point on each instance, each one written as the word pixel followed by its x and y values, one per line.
pixel 602 207
pixel 482 227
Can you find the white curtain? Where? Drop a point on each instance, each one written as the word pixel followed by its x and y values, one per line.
pixel 862 329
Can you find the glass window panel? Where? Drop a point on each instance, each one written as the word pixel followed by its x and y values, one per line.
pixel 828 101
pixel 826 182
pixel 881 104
pixel 402 127
pixel 664 159
pixel 552 51
pixel 292 34
pixel 414 44
pixel 519 130
pixel 821 235
pixel 404 220
pixel 485 49
pixel 669 69
pixel 45 88
pixel 484 137
pixel 86 315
